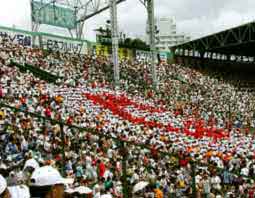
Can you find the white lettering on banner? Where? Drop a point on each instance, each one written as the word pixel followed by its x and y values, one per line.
pixel 64 45
pixel 142 55
pixel 48 41
pixel 17 37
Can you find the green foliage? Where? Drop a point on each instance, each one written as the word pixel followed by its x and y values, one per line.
pixel 104 38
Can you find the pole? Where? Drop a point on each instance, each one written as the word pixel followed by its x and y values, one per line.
pixel 34 25
pixel 86 17
pixel 151 22
pixel 114 31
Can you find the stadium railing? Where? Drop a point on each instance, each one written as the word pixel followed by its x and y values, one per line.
pixel 36 71
pixel 123 149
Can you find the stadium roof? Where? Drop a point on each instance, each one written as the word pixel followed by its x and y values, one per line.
pixel 235 41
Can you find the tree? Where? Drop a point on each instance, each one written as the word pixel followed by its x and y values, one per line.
pixel 139 44
pixel 128 42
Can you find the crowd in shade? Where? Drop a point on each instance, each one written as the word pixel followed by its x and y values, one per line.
pixel 193 136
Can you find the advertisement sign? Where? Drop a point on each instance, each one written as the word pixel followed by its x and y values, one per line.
pixel 103 39
pixel 143 55
pixel 64 45
pixel 125 53
pixel 47 13
pixel 103 50
pixel 18 37
pixel 106 50
pixel 46 41
pixel 163 56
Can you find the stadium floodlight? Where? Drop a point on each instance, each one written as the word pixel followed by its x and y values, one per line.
pixel 70 14
pixel 97 12
pixel 149 4
pixel 115 40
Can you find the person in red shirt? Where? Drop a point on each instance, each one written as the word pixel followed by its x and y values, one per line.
pixel 101 168
pixel 154 152
pixel 145 160
pixel 69 120
pixel 48 112
pixel 23 100
pixel 251 192
pixel 183 162
pixel 1 92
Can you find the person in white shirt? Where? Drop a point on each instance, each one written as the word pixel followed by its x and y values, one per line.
pixel 4 192
pixel 20 191
pixel 46 182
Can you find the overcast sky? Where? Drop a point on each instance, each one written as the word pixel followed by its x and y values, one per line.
pixel 194 17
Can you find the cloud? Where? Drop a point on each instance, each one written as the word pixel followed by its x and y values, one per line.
pixel 194 17
pixel 15 13
pixel 131 19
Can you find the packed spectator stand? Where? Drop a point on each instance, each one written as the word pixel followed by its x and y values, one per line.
pixel 191 137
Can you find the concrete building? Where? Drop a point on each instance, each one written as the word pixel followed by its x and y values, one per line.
pixel 167 35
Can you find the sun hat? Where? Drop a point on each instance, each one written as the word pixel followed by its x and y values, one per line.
pixel 83 190
pixel 3 184
pixel 31 163
pixel 48 176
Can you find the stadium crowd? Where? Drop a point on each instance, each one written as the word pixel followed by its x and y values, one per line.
pixel 194 125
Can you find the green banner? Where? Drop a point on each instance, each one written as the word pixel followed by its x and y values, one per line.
pixel 104 39
pixel 46 41
pixel 49 14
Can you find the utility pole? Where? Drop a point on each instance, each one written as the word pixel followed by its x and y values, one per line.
pixel 115 40
pixel 151 22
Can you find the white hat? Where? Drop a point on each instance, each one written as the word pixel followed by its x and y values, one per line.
pixel 3 184
pixel 48 176
pixel 83 190
pixel 31 163
pixel 106 196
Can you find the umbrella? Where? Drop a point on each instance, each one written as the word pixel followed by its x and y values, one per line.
pixel 139 186
pixel 83 190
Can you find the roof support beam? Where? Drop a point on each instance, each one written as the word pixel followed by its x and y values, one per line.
pixel 226 42
pixel 97 12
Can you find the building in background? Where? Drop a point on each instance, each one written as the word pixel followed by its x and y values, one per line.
pixel 167 34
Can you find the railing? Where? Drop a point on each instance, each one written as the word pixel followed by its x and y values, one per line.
pixel 36 71
pixel 124 145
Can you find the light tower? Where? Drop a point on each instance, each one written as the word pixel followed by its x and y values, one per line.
pixel 61 12
pixel 115 41
pixel 149 4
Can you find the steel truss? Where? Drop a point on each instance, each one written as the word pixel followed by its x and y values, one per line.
pixel 235 44
pixel 84 9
